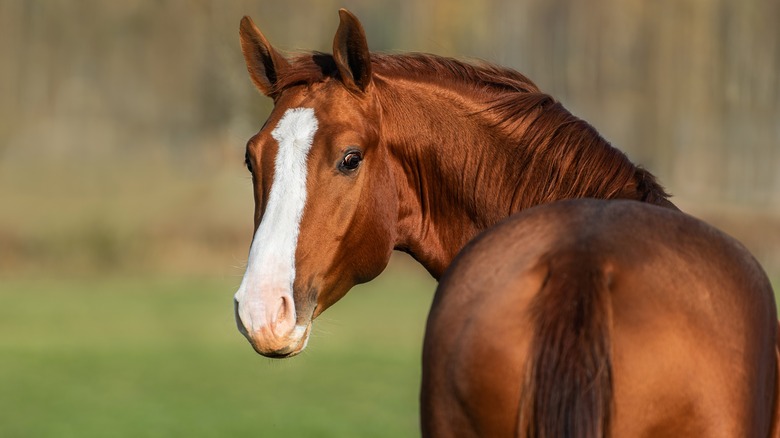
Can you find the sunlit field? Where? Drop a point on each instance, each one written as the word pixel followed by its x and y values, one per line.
pixel 162 357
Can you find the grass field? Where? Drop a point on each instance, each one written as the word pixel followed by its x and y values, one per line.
pixel 161 357
pixel 148 357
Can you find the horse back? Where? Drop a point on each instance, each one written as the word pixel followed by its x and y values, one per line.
pixel 684 316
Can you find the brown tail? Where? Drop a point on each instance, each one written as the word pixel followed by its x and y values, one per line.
pixel 567 390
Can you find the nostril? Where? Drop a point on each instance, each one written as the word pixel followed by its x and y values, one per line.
pixel 283 308
pixel 284 320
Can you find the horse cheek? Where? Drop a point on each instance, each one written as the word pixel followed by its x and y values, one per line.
pixel 380 224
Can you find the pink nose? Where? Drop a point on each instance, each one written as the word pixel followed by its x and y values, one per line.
pixel 271 331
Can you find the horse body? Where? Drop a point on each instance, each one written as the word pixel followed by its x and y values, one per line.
pixel 366 153
pixel 595 318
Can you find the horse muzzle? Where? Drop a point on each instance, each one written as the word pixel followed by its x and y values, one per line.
pixel 272 331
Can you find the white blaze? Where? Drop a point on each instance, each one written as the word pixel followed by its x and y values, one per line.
pixel 270 270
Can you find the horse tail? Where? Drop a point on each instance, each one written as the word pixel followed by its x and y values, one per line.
pixel 567 384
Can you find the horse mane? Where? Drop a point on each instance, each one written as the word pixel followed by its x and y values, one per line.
pixel 310 68
pixel 560 155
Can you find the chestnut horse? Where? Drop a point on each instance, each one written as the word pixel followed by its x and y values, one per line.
pixel 366 153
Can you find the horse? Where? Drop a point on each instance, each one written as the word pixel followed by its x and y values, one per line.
pixel 366 153
pixel 593 318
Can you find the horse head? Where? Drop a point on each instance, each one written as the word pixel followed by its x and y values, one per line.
pixel 325 206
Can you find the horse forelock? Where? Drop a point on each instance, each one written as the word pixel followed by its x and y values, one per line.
pixel 306 69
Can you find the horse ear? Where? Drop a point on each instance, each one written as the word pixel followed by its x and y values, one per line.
pixel 350 51
pixel 263 62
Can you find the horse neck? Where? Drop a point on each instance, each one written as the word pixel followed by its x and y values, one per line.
pixel 461 168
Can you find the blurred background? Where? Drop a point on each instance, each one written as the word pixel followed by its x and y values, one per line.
pixel 125 209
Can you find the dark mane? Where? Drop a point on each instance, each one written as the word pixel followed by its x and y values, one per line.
pixel 562 151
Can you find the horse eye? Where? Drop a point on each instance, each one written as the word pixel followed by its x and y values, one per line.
pixel 351 161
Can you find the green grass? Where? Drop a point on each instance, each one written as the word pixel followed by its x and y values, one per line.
pixel 161 357
pixel 141 357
